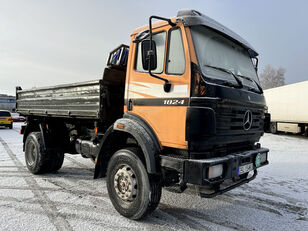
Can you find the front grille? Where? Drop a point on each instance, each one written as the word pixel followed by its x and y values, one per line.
pixel 229 120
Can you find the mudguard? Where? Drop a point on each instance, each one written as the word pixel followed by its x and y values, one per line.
pixel 143 135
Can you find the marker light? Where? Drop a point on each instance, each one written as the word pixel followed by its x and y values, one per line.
pixel 120 126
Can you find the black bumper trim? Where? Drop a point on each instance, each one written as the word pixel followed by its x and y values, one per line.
pixel 221 191
pixel 194 171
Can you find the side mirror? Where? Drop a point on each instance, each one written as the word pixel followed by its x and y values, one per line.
pixel 148 56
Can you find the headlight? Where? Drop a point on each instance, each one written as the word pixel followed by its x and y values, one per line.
pixel 215 171
pixel 263 157
pixel 260 159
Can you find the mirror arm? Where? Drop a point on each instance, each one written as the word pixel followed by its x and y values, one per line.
pixel 167 85
pixel 161 18
pixel 257 62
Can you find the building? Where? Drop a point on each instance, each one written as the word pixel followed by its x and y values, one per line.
pixel 7 102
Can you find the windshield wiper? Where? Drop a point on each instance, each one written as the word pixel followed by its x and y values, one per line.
pixel 252 80
pixel 239 82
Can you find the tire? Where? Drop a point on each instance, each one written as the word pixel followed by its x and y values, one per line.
pixel 56 160
pixel 132 191
pixel 273 127
pixel 39 160
pixel 11 126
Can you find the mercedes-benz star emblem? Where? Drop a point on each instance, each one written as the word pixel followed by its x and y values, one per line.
pixel 247 122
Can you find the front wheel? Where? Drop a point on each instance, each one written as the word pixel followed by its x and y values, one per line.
pixel 132 191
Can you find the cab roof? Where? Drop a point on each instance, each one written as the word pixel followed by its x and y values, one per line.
pixel 194 18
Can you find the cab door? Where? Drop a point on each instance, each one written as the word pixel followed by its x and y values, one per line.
pixel 164 111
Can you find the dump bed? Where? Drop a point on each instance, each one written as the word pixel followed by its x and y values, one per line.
pixel 99 99
pixel 79 100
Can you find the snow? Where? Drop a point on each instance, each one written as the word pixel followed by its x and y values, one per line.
pixel 71 200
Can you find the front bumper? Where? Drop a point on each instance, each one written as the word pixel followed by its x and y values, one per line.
pixel 196 171
pixel 5 123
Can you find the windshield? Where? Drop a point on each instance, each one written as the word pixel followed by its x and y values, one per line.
pixel 5 114
pixel 214 50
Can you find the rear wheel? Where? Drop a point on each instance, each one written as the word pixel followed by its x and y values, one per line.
pixel 132 191
pixel 39 160
pixel 57 158
pixel 11 126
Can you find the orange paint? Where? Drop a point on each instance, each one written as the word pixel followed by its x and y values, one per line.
pixel 168 122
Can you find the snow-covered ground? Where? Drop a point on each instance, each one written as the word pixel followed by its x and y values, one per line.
pixel 72 200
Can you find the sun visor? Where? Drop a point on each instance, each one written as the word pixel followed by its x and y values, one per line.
pixel 193 18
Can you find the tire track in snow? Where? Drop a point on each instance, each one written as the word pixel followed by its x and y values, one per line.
pixel 27 188
pixel 290 200
pixel 184 214
pixel 78 163
pixel 25 173
pixel 280 206
pixel 247 203
pixel 62 188
pixel 65 188
pixel 31 201
pixel 64 215
pixel 181 219
pixel 7 166
pixel 47 205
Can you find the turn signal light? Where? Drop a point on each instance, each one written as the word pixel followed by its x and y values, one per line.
pixel 120 126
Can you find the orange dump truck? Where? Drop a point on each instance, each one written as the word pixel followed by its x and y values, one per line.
pixel 182 105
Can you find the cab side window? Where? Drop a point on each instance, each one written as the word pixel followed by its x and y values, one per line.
pixel 160 40
pixel 176 56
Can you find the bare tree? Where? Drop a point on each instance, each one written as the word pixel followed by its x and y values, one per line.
pixel 270 77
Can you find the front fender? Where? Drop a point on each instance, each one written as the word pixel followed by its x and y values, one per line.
pixel 144 139
pixel 116 135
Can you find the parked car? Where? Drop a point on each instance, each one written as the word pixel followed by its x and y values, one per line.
pixel 6 119
pixel 17 118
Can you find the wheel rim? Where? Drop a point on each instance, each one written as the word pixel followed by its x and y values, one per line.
pixel 125 183
pixel 31 154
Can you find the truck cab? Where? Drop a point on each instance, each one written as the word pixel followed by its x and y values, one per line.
pixel 215 106
pixel 213 84
pixel 181 105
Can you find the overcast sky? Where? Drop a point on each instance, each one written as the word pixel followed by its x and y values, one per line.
pixel 61 41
